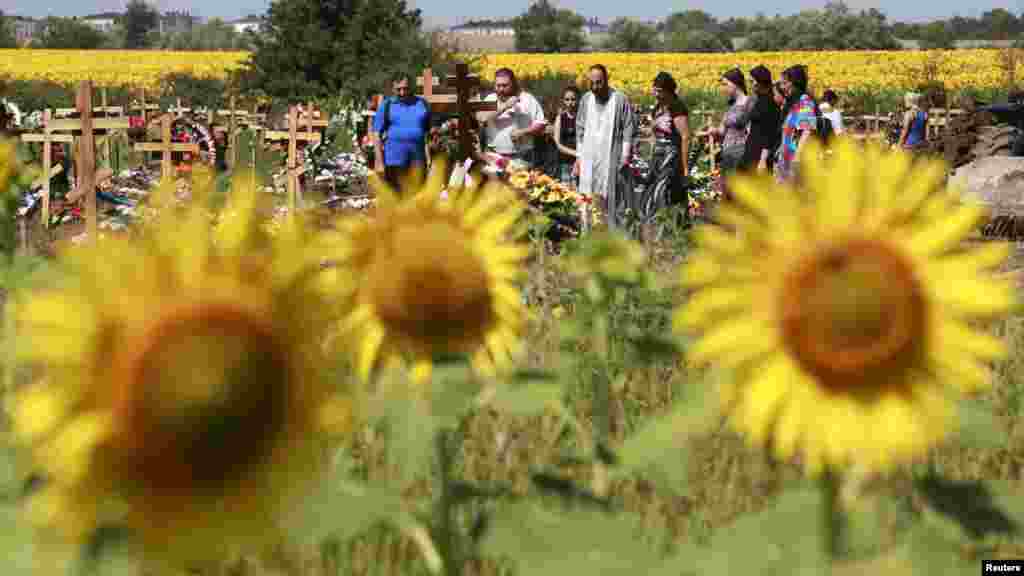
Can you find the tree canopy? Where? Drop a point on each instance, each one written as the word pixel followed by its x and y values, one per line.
pixel 546 28
pixel 139 20
pixel 8 39
pixel 70 34
pixel 625 35
pixel 325 48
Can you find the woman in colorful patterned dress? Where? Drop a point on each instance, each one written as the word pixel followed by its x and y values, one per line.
pixel 800 124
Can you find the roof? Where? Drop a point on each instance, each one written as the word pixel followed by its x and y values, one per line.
pixel 102 16
pixel 477 24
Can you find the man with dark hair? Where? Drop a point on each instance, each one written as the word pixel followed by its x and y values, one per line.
pixel 511 130
pixel 604 141
pixel 401 125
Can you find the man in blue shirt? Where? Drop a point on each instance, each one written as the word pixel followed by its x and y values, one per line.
pixel 401 124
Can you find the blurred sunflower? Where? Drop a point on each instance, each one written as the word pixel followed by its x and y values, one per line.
pixel 845 308
pixel 428 277
pixel 184 382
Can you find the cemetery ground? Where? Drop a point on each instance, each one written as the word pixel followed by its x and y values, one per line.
pixel 722 480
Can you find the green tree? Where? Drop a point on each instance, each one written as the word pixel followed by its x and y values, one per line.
pixel 626 35
pixel 213 35
pixel 836 27
pixel 695 31
pixel 70 34
pixel 7 37
pixel 545 28
pixel 937 36
pixel 327 48
pixel 140 19
pixel 696 41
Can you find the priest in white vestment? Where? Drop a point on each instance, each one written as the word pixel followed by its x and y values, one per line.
pixel 604 140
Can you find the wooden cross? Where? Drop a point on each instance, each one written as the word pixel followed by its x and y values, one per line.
pixel 98 110
pixel 47 138
pixel 167 147
pixel 87 127
pixel 178 110
pixel 460 102
pixel 293 136
pixel 141 105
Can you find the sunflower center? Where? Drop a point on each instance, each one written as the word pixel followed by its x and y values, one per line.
pixel 433 292
pixel 853 315
pixel 200 399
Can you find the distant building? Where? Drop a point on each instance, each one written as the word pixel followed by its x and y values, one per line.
pixel 484 28
pixel 593 26
pixel 26 29
pixel 176 22
pixel 247 24
pixel 104 21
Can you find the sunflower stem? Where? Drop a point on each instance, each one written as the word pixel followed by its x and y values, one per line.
pixel 833 521
pixel 443 514
pixel 601 383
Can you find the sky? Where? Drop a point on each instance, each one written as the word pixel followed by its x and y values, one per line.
pixel 447 12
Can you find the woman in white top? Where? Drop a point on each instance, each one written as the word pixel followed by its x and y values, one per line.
pixel 829 99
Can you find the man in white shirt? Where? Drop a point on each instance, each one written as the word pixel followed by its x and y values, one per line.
pixel 511 130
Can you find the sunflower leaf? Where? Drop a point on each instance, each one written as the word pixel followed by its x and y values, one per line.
pixel 976 506
pixel 528 393
pixel 568 541
pixel 979 427
pixel 17 543
pixel 411 430
pixel 929 550
pixel 453 391
pixel 785 539
pixel 108 553
pixel 345 509
pixel 660 445
pixel 646 348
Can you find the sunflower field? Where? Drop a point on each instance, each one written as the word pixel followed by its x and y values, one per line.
pixel 822 378
pixel 843 71
pixel 115 68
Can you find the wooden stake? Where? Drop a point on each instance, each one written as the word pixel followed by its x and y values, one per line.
pixel 87 158
pixel 232 142
pixel 166 164
pixel 293 178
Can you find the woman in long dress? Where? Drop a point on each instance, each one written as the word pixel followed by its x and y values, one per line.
pixel 765 124
pixel 733 129
pixel 669 166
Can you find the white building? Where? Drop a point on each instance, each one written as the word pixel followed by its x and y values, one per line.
pixel 104 22
pixel 26 29
pixel 484 28
pixel 247 24
pixel 592 26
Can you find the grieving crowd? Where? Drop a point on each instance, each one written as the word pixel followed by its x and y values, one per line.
pixel 594 132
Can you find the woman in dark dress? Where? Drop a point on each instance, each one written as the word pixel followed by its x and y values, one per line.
pixel 565 134
pixel 765 124
pixel 669 165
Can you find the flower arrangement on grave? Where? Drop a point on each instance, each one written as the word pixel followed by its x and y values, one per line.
pixel 704 187
pixel 565 205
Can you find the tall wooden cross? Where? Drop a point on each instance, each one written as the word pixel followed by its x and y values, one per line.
pixel 47 138
pixel 143 106
pixel 460 102
pixel 167 147
pixel 87 127
pixel 294 137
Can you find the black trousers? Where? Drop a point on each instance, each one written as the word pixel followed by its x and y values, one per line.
pixel 394 175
